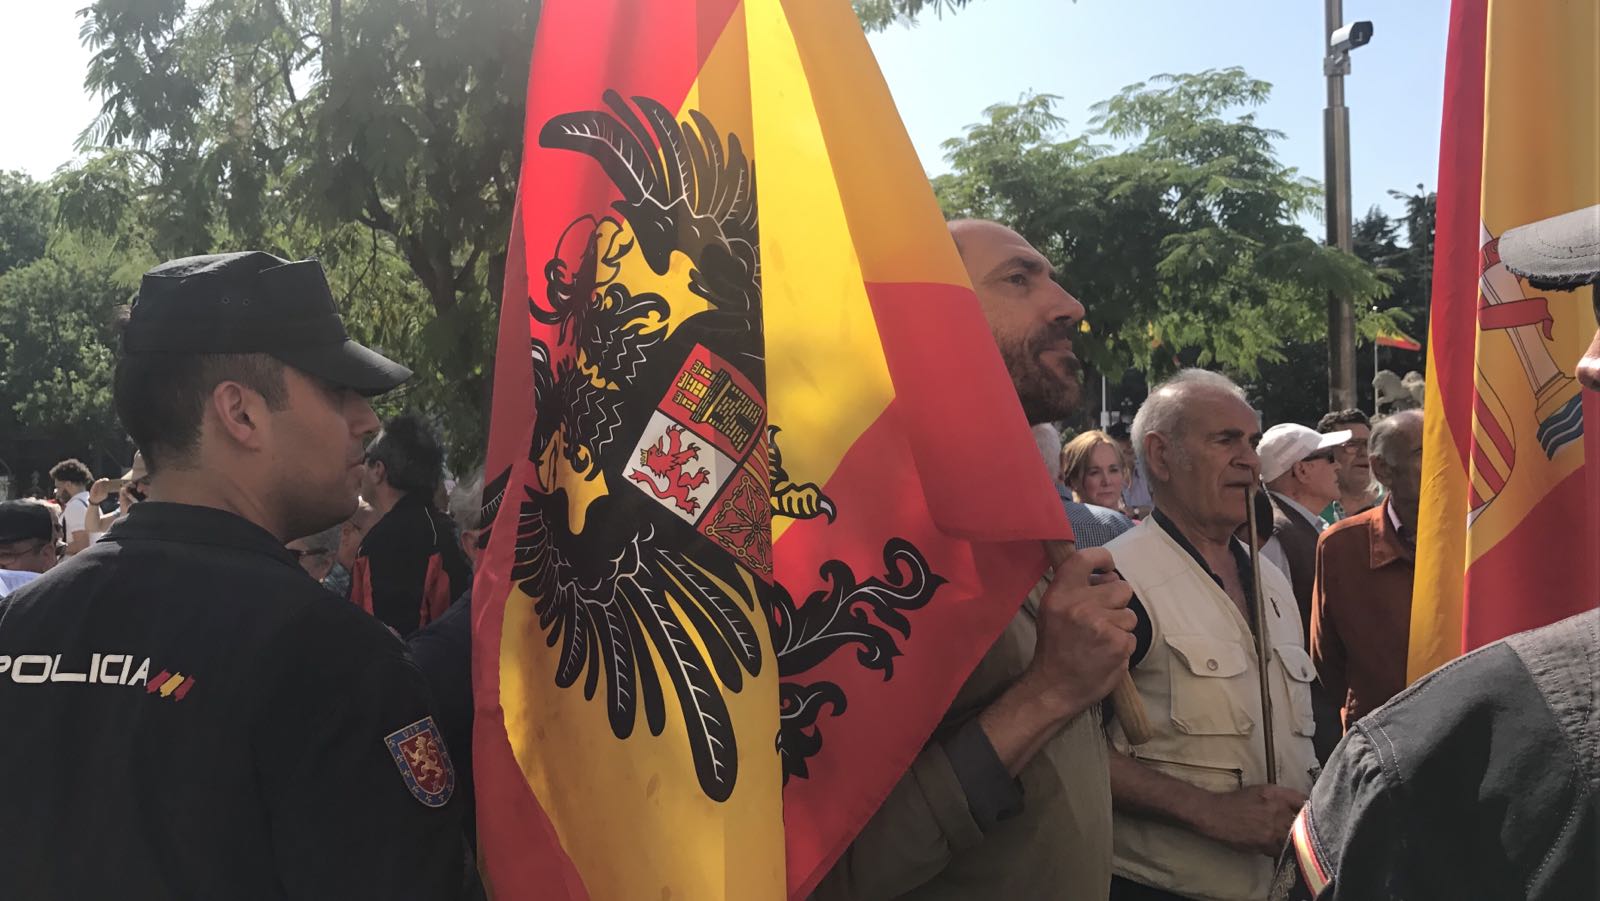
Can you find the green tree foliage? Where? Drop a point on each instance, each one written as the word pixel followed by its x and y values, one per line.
pixel 57 310
pixel 876 15
pixel 59 291
pixel 1183 243
pixel 1403 248
pixel 25 215
pixel 56 333
pixel 370 133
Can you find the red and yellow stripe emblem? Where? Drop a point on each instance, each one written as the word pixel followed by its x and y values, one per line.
pixel 1305 854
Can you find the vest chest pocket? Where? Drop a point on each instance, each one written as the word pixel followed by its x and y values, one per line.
pixel 1297 673
pixel 1218 779
pixel 1209 686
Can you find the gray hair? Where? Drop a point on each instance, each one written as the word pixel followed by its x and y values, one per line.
pixel 1387 429
pixel 466 502
pixel 1163 411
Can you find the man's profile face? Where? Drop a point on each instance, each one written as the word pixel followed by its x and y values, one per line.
pixel 1355 470
pixel 1032 318
pixel 1213 462
pixel 1401 473
pixel 320 451
pixel 1321 472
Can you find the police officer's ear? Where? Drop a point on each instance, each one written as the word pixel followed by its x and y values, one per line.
pixel 239 412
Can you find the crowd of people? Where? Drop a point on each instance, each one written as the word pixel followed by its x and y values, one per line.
pixel 296 593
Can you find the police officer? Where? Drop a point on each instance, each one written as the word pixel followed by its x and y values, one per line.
pixel 184 712
pixel 1482 780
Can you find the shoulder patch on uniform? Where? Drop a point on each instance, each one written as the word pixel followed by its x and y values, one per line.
pixel 1312 872
pixel 419 752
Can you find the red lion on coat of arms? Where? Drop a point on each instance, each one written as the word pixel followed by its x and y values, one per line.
pixel 666 460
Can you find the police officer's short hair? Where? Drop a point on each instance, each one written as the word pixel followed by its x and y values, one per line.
pixel 413 461
pixel 161 398
pixel 71 470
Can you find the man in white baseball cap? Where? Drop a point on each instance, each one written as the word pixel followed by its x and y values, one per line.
pixel 1301 469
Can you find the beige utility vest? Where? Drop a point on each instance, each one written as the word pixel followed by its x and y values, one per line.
pixel 1202 690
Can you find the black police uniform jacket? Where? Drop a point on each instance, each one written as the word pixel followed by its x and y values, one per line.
pixel 1480 781
pixel 187 715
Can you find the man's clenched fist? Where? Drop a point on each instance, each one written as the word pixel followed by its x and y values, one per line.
pixel 1085 633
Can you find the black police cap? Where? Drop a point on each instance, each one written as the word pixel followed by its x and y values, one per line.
pixel 254 302
pixel 25 520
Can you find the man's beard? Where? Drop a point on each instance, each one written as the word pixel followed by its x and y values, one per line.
pixel 1045 396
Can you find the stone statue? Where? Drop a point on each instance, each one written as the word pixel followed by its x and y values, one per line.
pixel 1395 394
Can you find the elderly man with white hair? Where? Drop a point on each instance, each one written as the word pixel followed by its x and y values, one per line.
pixel 1195 815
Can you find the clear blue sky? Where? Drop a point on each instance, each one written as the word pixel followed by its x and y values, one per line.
pixel 944 72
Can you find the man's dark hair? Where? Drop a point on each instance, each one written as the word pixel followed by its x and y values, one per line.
pixel 413 461
pixel 1338 419
pixel 71 470
pixel 161 398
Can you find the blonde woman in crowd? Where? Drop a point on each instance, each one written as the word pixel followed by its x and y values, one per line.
pixel 1092 466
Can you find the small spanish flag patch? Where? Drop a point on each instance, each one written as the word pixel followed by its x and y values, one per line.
pixel 1312 872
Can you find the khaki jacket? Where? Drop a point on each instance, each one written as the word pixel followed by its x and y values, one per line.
pixel 1201 689
pixel 925 844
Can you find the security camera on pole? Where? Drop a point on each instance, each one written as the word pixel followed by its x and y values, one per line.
pixel 1336 135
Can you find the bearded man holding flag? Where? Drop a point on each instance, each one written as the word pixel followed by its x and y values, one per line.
pixel 1012 797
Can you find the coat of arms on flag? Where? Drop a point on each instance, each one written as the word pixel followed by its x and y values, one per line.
pixel 1505 541
pixel 733 585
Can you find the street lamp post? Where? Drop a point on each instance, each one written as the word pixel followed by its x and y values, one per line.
pixel 1341 39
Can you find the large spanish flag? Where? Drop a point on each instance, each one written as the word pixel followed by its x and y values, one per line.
pixel 1507 539
pixel 768 494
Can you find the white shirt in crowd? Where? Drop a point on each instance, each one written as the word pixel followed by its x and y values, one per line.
pixel 73 512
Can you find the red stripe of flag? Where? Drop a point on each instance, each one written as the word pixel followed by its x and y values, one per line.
pixel 1502 572
pixel 1491 427
pixel 1457 259
pixel 1486 469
